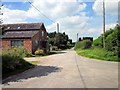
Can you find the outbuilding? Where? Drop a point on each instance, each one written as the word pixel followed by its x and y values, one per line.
pixel 31 36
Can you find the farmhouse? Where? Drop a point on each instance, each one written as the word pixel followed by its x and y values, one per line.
pixel 31 36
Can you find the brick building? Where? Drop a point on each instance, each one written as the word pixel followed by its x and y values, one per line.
pixel 28 35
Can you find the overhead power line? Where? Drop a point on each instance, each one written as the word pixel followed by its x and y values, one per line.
pixel 40 11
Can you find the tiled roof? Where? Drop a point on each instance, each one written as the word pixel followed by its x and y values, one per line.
pixel 19 34
pixel 22 26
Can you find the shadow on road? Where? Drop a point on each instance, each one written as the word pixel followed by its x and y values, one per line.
pixel 58 52
pixel 38 71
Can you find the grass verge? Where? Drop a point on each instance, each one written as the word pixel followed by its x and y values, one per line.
pixel 98 53
pixel 33 62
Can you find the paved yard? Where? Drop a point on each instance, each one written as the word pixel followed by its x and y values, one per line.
pixel 67 70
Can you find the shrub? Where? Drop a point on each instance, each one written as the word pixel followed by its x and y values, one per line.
pixel 54 48
pixel 77 45
pixel 85 44
pixel 39 52
pixel 13 60
pixel 19 51
pixel 98 42
pixel 29 54
pixel 9 60
pixel 112 42
pixel 22 52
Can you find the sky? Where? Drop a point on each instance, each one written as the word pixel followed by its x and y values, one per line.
pixel 74 16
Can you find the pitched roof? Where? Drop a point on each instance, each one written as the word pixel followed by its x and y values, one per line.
pixel 22 26
pixel 19 34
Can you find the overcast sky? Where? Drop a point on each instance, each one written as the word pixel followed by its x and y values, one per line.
pixel 74 16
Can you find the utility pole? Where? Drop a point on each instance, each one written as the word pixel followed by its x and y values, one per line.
pixel 77 36
pixel 104 24
pixel 58 28
pixel 58 36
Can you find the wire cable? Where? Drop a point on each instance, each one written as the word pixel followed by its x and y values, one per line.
pixel 40 11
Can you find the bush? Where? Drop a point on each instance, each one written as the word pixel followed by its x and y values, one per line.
pixel 29 54
pixel 9 60
pixel 85 44
pixel 39 52
pixel 54 48
pixel 98 42
pixel 13 60
pixel 111 40
pixel 19 51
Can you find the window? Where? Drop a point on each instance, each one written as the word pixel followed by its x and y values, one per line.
pixel 8 27
pixel 36 42
pixel 18 27
pixel 16 43
pixel 42 33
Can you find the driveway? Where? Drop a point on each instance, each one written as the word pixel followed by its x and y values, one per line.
pixel 67 70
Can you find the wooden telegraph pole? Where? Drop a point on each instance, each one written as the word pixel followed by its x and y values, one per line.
pixel 103 24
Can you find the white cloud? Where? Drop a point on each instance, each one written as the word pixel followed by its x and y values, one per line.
pixel 92 30
pixel 97 31
pixel 108 26
pixel 56 9
pixel 110 6
pixel 62 12
pixel 13 16
pixel 71 25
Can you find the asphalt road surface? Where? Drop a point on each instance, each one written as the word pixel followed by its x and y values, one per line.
pixel 66 70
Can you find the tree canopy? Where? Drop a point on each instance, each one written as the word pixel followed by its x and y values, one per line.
pixel 61 40
pixel 112 40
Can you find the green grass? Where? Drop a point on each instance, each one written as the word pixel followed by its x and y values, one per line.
pixel 33 62
pixel 97 53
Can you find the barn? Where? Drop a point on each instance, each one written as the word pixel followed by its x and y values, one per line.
pixel 31 36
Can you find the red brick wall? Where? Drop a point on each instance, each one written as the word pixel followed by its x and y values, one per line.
pixel 28 44
pixel 6 44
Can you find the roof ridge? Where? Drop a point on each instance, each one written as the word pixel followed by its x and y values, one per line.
pixel 23 23
pixel 22 26
pixel 18 34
